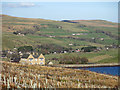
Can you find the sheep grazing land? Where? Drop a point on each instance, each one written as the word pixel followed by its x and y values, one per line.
pixel 15 75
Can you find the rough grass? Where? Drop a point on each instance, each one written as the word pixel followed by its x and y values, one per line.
pixel 33 76
pixel 109 60
pixel 99 58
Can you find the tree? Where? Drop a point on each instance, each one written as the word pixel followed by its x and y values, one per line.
pixel 69 59
pixel 89 49
pixel 25 49
pixel 15 57
pixel 4 53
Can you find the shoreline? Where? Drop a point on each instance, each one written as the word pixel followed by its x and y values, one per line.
pixel 80 65
pixel 86 65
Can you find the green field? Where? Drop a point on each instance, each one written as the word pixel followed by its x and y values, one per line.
pixel 40 30
pixel 110 56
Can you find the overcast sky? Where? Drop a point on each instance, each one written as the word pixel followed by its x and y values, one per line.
pixel 63 10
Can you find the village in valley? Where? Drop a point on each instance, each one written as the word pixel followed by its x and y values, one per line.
pixel 55 41
pixel 45 52
pixel 31 57
pixel 39 53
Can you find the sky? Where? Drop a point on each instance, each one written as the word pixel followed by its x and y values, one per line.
pixel 63 10
pixel 60 0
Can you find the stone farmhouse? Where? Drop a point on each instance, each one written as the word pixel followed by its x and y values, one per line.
pixel 32 59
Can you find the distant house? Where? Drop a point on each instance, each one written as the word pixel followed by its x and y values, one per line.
pixel 80 34
pixel 10 52
pixel 32 59
pixel 52 36
pixel 50 63
pixel 77 50
pixel 73 34
pixel 70 44
pixel 54 52
pixel 20 34
pixel 65 51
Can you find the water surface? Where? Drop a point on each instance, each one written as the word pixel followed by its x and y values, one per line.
pixel 114 70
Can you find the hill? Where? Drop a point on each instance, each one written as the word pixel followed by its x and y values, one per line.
pixel 40 31
pixel 53 36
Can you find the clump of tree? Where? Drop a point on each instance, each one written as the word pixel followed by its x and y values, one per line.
pixel 25 49
pixel 89 48
pixel 52 48
pixel 44 49
pixel 41 50
pixel 4 53
pixel 27 31
pixel 15 57
pixel 69 59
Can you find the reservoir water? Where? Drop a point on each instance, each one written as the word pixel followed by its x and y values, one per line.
pixel 114 70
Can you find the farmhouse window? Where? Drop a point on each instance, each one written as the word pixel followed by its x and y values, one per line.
pixel 30 59
pixel 35 59
pixel 41 62
pixel 41 59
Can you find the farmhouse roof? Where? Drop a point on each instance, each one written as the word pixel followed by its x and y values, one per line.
pixel 50 63
pixel 27 55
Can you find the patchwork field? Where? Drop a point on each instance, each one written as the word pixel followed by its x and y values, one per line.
pixel 110 56
pixel 78 33
pixel 42 29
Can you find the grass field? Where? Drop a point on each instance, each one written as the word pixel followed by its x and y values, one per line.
pixel 49 27
pixel 93 57
pixel 42 29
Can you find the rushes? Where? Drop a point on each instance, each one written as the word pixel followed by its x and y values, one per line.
pixel 27 76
